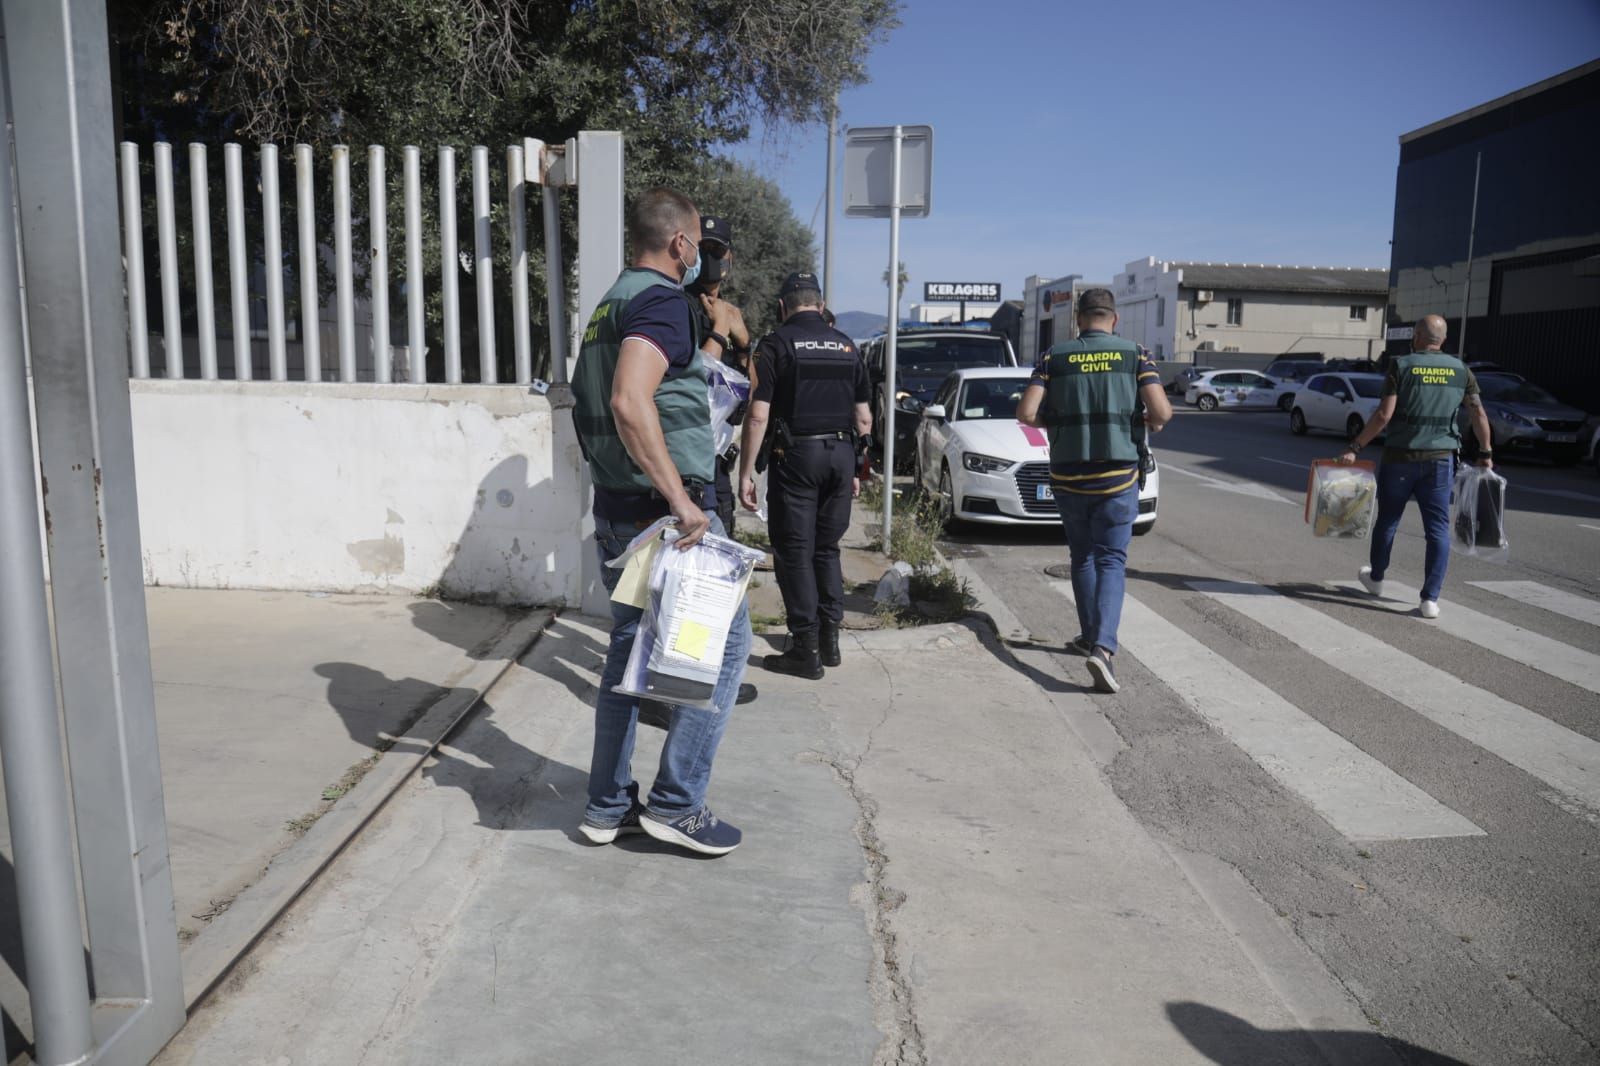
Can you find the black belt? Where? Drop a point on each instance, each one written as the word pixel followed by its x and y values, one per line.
pixel 642 506
pixel 837 434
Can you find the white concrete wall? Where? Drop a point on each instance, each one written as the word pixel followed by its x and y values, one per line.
pixel 1283 323
pixel 468 491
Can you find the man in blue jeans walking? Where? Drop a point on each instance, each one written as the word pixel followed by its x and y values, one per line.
pixel 1422 393
pixel 644 422
pixel 1088 394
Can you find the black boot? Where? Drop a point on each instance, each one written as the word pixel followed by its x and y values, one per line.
pixel 801 660
pixel 828 638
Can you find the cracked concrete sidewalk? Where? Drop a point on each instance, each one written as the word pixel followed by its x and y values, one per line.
pixel 934 871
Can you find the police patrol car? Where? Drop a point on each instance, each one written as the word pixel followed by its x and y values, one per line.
pixel 982 465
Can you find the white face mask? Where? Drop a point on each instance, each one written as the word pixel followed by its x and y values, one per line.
pixel 691 271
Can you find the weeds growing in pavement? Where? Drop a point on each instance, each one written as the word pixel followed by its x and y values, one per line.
pixel 937 594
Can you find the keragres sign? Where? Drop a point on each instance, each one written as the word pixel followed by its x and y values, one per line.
pixel 936 292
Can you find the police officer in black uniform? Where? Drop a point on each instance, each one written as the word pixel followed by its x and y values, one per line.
pixel 812 385
pixel 724 334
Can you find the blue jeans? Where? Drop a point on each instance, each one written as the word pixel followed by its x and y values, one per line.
pixel 691 745
pixel 1098 531
pixel 1430 483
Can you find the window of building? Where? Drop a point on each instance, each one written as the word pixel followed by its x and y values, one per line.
pixel 1161 351
pixel 1235 311
pixel 1358 312
pixel 1047 335
pixel 1161 311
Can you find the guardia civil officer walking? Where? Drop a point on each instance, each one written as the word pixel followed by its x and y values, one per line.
pixel 1090 394
pixel 1422 393
pixel 813 386
pixel 644 422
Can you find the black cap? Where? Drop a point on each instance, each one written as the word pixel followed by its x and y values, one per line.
pixel 713 228
pixel 800 279
pixel 1096 300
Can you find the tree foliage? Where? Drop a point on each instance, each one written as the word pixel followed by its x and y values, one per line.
pixel 679 80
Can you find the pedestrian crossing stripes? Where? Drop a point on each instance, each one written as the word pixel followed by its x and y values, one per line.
pixel 1563 759
pixel 1573 665
pixel 1546 598
pixel 1357 795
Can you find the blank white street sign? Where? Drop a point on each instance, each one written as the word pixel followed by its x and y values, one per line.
pixel 868 181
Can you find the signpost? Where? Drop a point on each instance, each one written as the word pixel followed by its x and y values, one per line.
pixel 888 172
pixel 959 292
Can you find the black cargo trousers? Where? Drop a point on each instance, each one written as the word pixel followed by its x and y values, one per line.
pixel 808 502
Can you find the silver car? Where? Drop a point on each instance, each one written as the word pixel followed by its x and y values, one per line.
pixel 1525 420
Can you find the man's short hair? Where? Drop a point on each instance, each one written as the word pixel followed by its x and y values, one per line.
pixel 796 298
pixel 1096 302
pixel 800 289
pixel 659 214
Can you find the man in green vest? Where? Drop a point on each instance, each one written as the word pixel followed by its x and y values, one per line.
pixel 1421 396
pixel 644 422
pixel 1088 394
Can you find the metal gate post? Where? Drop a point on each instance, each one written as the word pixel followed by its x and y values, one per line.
pixel 66 180
pixel 599 183
pixel 30 732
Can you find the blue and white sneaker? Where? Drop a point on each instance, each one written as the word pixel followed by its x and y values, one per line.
pixel 701 831
pixel 605 834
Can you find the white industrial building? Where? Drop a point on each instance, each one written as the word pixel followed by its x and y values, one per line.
pixel 1177 309
pixel 1047 310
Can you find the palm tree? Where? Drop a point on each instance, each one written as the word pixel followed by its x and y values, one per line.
pixel 901 289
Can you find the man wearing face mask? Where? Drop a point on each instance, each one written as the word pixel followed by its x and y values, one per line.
pixel 644 422
pixel 722 331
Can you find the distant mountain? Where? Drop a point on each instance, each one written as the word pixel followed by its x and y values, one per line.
pixel 861 324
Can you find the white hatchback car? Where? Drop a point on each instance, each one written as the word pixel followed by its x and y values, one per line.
pixel 983 465
pixel 1337 403
pixel 1239 388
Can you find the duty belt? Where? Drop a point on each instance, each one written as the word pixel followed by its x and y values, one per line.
pixel 837 434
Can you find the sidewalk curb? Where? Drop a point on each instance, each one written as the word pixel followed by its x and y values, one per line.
pixel 226 940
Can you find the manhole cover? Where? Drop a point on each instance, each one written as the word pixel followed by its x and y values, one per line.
pixel 1060 570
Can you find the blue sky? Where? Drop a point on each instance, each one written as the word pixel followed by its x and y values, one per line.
pixel 1071 138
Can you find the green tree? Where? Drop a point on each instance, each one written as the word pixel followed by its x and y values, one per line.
pixel 678 79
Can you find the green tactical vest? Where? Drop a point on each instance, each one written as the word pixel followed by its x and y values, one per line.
pixel 1432 386
pixel 1091 398
pixel 681 399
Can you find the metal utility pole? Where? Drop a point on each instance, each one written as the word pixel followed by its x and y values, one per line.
pixel 894 335
pixel 1472 233
pixel 30 739
pixel 827 218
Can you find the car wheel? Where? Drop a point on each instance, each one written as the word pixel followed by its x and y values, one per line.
pixel 1297 423
pixel 1206 402
pixel 1354 427
pixel 1286 401
pixel 947 500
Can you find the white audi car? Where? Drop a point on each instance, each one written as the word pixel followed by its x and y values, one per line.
pixel 982 464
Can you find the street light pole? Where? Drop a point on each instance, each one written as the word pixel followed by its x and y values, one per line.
pixel 894 334
pixel 1472 233
pixel 827 218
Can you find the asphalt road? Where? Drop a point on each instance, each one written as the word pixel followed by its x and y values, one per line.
pixel 1420 800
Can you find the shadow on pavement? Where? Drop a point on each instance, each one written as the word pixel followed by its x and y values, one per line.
pixel 1232 1041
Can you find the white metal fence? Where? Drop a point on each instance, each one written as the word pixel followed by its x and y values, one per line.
pixel 263 339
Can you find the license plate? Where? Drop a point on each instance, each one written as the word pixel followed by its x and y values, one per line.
pixel 1562 438
pixel 1042 492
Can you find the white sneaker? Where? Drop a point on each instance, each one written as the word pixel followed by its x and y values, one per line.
pixel 1374 587
pixel 1430 609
